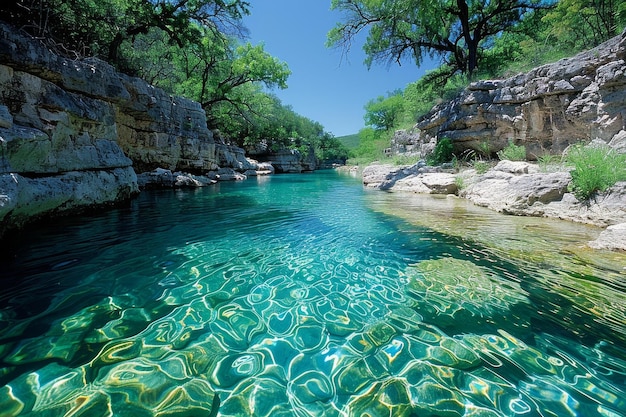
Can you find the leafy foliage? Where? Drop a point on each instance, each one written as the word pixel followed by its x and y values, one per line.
pixel 372 144
pixel 443 152
pixel 350 141
pixel 452 30
pixel 192 48
pixel 582 24
pixel 481 166
pixel 537 36
pixel 383 113
pixel 596 169
pixel 513 152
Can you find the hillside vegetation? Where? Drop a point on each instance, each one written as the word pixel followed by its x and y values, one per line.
pixel 195 49
pixel 530 35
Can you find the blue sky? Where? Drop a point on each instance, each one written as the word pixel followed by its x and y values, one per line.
pixel 324 86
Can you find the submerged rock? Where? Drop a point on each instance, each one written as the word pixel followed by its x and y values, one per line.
pixel 452 292
pixel 614 237
pixel 517 188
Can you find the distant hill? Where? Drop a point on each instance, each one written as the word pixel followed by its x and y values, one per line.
pixel 349 141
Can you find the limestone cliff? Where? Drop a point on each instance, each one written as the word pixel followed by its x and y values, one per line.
pixel 573 100
pixel 74 133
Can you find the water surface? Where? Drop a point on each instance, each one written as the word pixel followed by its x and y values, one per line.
pixel 305 295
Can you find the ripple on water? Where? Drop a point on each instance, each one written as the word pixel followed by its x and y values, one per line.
pixel 336 317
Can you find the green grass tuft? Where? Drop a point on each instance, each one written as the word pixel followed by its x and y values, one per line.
pixel 596 169
pixel 513 152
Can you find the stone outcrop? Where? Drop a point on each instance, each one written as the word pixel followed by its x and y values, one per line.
pixel 577 99
pixel 516 188
pixel 519 188
pixel 73 134
pixel 417 178
pixel 88 98
pixel 58 148
pixel 409 143
pixel 292 161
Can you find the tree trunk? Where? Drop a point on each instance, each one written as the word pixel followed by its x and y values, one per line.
pixel 472 55
pixel 114 49
pixel 470 44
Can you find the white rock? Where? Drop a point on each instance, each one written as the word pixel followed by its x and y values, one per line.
pixel 613 238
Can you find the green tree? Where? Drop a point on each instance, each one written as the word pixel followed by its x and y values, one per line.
pixel 191 48
pixel 249 64
pixel 331 149
pixel 100 28
pixel 582 24
pixel 383 113
pixel 451 29
pixel 372 144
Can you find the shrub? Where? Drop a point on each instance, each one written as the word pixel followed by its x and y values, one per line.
pixel 549 162
pixel 596 169
pixel 442 152
pixel 513 152
pixel 481 166
pixel 485 149
pixel 459 182
pixel 404 160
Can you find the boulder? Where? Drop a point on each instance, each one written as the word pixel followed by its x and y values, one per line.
pixel 516 167
pixel 229 156
pixel 164 178
pixel 23 199
pixel 374 176
pixel 416 178
pixel 428 183
pixel 517 193
pixel 229 174
pixel 612 238
pixel 264 168
pixel 606 209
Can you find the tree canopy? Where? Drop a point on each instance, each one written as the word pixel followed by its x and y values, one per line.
pixel 453 30
pixel 541 35
pixel 383 113
pixel 193 48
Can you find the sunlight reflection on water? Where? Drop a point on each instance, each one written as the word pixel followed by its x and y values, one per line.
pixel 305 295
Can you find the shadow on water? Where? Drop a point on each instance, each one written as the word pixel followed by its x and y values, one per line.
pixel 307 295
pixel 547 310
pixel 56 268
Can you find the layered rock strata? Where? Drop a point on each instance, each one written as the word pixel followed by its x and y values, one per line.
pixel 577 99
pixel 73 134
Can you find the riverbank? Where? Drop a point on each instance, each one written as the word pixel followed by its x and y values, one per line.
pixel 514 188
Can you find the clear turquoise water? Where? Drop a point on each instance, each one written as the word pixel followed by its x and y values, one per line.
pixel 305 295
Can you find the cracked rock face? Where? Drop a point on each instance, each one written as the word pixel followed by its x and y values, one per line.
pixel 73 133
pixel 577 99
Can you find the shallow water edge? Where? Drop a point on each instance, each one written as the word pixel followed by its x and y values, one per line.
pixel 308 295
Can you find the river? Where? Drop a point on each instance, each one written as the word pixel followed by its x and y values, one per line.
pixel 306 295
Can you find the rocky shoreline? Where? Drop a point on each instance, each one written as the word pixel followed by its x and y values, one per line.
pixel 76 135
pixel 514 188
